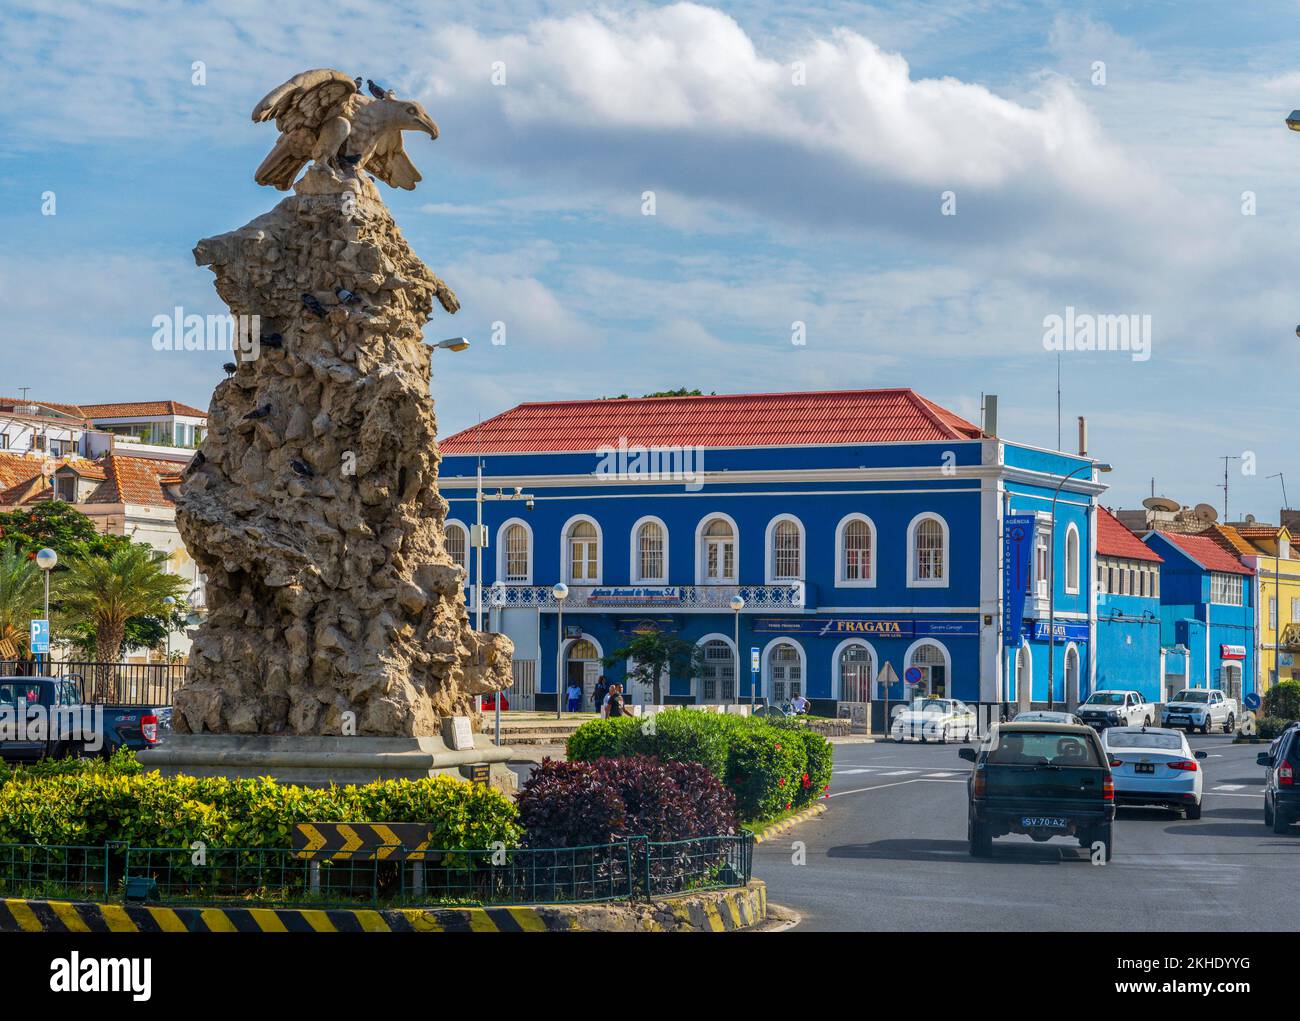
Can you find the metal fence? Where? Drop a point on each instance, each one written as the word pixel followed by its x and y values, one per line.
pixel 630 869
pixel 150 684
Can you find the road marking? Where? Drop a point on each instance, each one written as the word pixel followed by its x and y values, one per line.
pixel 1230 787
pixel 882 786
pixel 1228 794
pixel 901 772
pixel 929 776
pixel 850 772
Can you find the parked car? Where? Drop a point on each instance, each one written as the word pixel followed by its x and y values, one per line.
pixel 69 727
pixel 1116 708
pixel 1043 780
pixel 1047 716
pixel 1155 766
pixel 1281 793
pixel 1200 707
pixel 934 719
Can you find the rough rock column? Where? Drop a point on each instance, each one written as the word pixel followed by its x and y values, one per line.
pixel 313 506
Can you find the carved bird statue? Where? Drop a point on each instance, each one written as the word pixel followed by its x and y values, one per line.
pixel 323 116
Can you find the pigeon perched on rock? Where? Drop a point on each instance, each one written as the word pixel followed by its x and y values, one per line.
pixel 345 296
pixel 350 161
pixel 312 304
pixel 257 413
pixel 376 91
pixel 229 368
pixel 357 82
pixel 196 462
pixel 273 340
pixel 302 468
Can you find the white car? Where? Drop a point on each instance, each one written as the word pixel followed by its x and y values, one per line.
pixel 1116 707
pixel 1201 708
pixel 934 719
pixel 1154 766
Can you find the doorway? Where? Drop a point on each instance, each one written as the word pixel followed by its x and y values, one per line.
pixel 582 667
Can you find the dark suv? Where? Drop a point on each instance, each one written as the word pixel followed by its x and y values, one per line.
pixel 1281 792
pixel 1043 780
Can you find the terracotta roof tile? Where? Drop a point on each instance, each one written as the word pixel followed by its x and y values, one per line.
pixel 726 420
pixel 1230 539
pixel 1115 540
pixel 1207 551
pixel 132 480
pixel 140 409
pixel 16 468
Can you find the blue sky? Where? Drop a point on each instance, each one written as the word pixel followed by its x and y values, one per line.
pixel 817 202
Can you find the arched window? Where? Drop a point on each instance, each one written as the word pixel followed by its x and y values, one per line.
pixel 516 554
pixel 718 676
pixel 855 551
pixel 650 552
pixel 931 659
pixel 1072 674
pixel 457 544
pixel 784 550
pixel 856 673
pixel 582 553
pixel 927 551
pixel 785 667
pixel 1072 558
pixel 717 555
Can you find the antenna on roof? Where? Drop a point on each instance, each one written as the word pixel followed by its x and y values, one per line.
pixel 24 389
pixel 1279 475
pixel 1225 459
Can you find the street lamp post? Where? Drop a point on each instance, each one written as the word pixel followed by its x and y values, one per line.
pixel 1051 583
pixel 169 602
pixel 737 604
pixel 46 560
pixel 561 592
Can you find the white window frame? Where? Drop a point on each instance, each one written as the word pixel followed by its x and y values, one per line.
pixel 634 562
pixel 566 561
pixel 501 552
pixel 701 559
pixel 1072 570
pixel 769 541
pixel 1226 589
pixel 946 563
pixel 449 524
pixel 841 581
pixel 836 666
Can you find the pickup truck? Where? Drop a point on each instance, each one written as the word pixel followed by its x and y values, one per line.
pixel 1043 780
pixel 44 717
pixel 1200 707
pixel 1116 707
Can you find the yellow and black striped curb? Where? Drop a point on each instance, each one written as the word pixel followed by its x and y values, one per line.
pixel 770 831
pixel 713 911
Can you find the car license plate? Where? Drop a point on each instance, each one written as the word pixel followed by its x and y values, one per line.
pixel 1042 822
pixel 1145 767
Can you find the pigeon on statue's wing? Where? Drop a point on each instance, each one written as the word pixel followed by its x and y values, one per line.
pixel 319 111
pixel 312 304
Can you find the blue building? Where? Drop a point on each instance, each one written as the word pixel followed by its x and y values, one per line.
pixel 1129 621
pixel 1207 613
pixel 861 528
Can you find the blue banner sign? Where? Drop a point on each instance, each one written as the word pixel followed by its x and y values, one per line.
pixel 1064 632
pixel 1017 559
pixel 832 627
pixel 668 595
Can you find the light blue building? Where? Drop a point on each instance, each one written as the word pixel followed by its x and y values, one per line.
pixel 1207 610
pixel 1129 622
pixel 861 528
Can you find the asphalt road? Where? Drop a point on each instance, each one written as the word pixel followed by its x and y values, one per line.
pixel 890 854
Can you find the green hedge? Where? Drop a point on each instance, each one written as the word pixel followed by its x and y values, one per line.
pixel 1269 727
pixel 88 806
pixel 770 766
pixel 122 763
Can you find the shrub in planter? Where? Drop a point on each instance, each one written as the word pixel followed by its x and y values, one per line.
pixel 121 763
pixel 572 804
pixel 764 768
pixel 1283 700
pixel 816 776
pixel 601 739
pixel 1269 727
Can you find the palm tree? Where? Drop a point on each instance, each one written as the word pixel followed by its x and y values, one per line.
pixel 106 592
pixel 20 594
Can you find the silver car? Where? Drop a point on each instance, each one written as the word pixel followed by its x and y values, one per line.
pixel 1155 766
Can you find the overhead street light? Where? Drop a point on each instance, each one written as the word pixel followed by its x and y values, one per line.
pixel 1051 584
pixel 561 592
pixel 1293 120
pixel 451 344
pixel 737 604
pixel 46 560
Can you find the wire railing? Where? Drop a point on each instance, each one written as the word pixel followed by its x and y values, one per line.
pixel 634 868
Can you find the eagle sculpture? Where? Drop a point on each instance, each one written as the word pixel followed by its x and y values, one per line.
pixel 323 116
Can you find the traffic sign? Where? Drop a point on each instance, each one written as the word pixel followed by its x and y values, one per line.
pixel 40 637
pixel 912 675
pixel 361 841
pixel 753 659
pixel 1252 701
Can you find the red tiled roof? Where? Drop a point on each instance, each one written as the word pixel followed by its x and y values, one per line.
pixel 1115 540
pixel 1207 552
pixel 132 480
pixel 1230 540
pixel 727 420
pixel 140 409
pixel 16 468
pixel 8 404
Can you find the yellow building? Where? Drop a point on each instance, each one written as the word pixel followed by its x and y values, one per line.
pixel 1277 580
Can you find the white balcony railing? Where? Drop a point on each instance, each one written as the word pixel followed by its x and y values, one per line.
pixel 650 597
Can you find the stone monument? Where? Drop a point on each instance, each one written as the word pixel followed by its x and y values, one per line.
pixel 336 641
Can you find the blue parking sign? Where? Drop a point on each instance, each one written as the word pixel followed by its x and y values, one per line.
pixel 40 637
